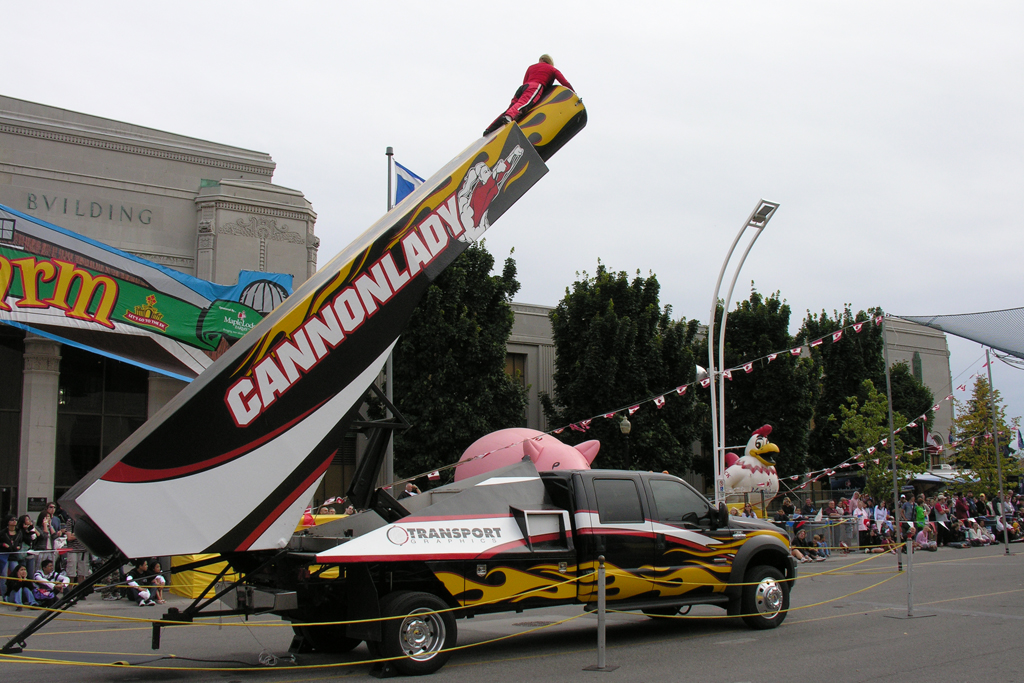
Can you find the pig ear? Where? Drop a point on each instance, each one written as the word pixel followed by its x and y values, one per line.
pixel 589 449
pixel 532 450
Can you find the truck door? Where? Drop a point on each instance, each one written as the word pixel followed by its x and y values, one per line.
pixel 690 558
pixel 615 523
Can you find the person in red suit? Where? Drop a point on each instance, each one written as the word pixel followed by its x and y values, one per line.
pixel 538 78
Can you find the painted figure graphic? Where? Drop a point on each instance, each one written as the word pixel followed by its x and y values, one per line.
pixel 481 186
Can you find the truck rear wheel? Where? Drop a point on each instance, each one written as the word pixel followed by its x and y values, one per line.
pixel 765 598
pixel 420 631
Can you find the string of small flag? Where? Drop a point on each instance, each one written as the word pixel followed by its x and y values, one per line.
pixel 659 401
pixel 748 367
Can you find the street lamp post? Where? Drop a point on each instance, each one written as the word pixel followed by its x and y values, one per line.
pixel 758 219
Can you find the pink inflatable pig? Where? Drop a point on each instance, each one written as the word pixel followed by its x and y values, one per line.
pixel 546 452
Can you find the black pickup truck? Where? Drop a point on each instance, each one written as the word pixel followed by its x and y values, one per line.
pixel 511 540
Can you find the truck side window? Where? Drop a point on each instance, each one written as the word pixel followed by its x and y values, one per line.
pixel 677 503
pixel 618 501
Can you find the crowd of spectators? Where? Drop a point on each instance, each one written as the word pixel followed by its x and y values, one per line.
pixel 40 561
pixel 960 520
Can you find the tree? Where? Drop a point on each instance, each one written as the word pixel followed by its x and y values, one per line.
pixel 863 423
pixel 779 393
pixel 450 380
pixel 842 367
pixel 616 346
pixel 975 454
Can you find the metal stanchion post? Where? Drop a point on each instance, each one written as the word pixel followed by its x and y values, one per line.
pixel 910 573
pixel 601 665
pixel 910 579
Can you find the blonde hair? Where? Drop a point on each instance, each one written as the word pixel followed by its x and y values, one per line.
pixel 546 59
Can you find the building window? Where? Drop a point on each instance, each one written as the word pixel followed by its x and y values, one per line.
pixel 6 229
pixel 515 367
pixel 100 403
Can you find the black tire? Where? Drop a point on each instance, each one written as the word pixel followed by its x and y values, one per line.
pixel 423 638
pixel 765 601
pixel 329 639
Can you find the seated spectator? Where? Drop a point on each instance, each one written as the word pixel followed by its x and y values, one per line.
pixel 1011 535
pixel 734 512
pixel 976 534
pixel 808 509
pixel 135 591
pixel 822 546
pixel 324 510
pixel 350 510
pixel 157 581
pixel 831 510
pixel 889 541
pixel 925 539
pixel 874 541
pixel 803 549
pixel 49 583
pixel 19 588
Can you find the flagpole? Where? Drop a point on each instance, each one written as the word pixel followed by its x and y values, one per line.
pixel 995 442
pixel 389 368
pixel 892 450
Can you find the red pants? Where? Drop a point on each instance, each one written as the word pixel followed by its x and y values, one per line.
pixel 527 96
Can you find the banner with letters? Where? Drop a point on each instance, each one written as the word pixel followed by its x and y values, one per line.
pixel 65 286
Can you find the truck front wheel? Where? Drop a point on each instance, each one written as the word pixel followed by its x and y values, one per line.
pixel 765 598
pixel 420 631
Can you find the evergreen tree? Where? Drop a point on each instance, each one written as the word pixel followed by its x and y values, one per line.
pixel 778 393
pixel 616 346
pixel 841 368
pixel 449 364
pixel 975 454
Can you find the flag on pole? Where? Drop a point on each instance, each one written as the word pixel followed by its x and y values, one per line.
pixel 434 476
pixel 772 356
pixel 705 382
pixel 405 182
pixel 795 352
pixel 816 342
pixel 857 326
pixel 633 409
pixel 748 368
pixel 836 336
pixel 659 401
pixel 728 375
pixel 681 390
pixel 609 415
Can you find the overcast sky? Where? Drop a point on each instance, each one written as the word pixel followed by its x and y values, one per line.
pixel 889 132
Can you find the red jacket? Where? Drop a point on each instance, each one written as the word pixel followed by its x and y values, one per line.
pixel 545 74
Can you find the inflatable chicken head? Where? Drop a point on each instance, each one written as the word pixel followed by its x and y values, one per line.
pixel 755 469
pixel 508 446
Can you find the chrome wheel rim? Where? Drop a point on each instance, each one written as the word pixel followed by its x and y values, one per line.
pixel 421 634
pixel 768 598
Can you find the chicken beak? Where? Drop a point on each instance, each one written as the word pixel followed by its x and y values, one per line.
pixel 762 453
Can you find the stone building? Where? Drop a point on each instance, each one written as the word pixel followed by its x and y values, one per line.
pixel 203 208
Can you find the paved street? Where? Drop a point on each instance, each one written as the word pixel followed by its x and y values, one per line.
pixel 843 624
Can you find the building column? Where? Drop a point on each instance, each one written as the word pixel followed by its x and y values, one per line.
pixel 40 392
pixel 161 390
